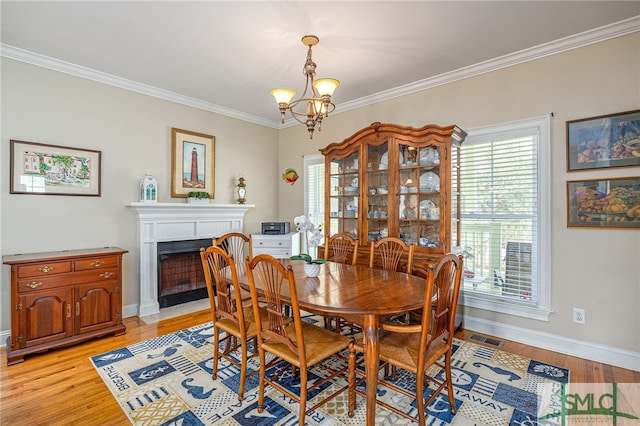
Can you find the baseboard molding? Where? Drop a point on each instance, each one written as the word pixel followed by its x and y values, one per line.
pixel 565 345
pixel 592 351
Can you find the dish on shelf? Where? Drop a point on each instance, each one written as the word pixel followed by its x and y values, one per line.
pixel 425 208
pixel 429 181
pixel 351 189
pixel 354 182
pixel 429 155
pixel 382 190
pixel 384 160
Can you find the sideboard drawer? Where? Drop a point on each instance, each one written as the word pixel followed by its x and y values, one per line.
pixel 94 263
pixel 43 269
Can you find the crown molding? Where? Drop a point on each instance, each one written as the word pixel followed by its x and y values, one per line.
pixel 575 41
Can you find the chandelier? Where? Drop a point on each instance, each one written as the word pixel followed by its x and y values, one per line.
pixel 312 108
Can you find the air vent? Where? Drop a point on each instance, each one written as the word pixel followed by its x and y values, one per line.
pixel 487 340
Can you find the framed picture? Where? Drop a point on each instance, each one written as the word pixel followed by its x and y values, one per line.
pixel 37 168
pixel 192 163
pixel 604 203
pixel 604 141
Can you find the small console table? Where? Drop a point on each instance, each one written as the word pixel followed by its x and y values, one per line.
pixel 64 297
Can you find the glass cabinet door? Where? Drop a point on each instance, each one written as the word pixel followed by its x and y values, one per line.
pixel 344 191
pixel 377 192
pixel 419 194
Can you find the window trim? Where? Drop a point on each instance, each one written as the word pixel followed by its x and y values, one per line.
pixel 542 309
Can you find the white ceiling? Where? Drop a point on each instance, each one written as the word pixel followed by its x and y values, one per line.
pixel 225 56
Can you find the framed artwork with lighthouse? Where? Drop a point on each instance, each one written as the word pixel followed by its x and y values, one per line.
pixel 192 163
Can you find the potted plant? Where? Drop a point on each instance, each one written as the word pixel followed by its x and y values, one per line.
pixel 305 226
pixel 198 197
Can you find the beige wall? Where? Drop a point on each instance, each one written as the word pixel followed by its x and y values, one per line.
pixel 595 269
pixel 598 270
pixel 133 131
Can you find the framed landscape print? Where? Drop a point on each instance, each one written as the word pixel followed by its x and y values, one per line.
pixel 37 168
pixel 192 163
pixel 605 141
pixel 604 203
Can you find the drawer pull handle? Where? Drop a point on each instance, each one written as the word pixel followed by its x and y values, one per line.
pixel 106 274
pixel 77 308
pixel 46 269
pixel 68 310
pixel 97 264
pixel 34 284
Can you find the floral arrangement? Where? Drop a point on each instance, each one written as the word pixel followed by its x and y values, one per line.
pixel 313 237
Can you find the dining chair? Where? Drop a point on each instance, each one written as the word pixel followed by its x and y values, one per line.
pixel 387 253
pixel 229 315
pixel 341 248
pixel 415 348
pixel 291 341
pixel 235 243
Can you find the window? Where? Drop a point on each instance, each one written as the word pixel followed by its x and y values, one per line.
pixel 504 187
pixel 314 191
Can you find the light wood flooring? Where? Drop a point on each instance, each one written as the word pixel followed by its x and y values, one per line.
pixel 61 387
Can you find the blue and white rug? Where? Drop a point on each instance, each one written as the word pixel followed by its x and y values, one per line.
pixel 167 381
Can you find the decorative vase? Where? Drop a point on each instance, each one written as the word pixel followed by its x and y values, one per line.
pixel 312 269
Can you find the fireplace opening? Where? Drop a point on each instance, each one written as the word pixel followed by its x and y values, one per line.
pixel 180 275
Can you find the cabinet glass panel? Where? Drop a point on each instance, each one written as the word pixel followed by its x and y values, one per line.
pixel 377 187
pixel 344 191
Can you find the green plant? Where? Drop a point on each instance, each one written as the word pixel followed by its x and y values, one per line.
pixel 307 258
pixel 198 194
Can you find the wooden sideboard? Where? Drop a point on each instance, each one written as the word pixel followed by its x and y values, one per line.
pixel 64 297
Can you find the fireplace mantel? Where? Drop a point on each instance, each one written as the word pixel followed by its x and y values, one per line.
pixel 175 222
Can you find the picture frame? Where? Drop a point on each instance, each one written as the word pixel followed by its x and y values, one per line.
pixel 604 203
pixel 43 169
pixel 604 141
pixel 192 163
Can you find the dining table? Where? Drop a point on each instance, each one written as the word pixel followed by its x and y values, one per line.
pixel 359 294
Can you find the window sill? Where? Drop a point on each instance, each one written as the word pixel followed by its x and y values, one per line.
pixel 507 306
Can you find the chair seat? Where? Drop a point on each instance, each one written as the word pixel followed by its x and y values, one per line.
pixel 231 327
pixel 402 349
pixel 319 344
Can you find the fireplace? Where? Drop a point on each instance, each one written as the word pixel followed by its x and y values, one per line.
pixel 180 273
pixel 171 222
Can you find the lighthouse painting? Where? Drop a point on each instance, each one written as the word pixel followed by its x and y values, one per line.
pixel 193 163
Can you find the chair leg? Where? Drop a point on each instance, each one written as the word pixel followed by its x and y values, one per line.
pixel 302 415
pixel 216 342
pixel 263 372
pixel 352 380
pixel 420 398
pixel 243 370
pixel 447 369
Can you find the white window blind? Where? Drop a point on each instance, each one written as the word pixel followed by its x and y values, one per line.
pixel 504 217
pixel 314 191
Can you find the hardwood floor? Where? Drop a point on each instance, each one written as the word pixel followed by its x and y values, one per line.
pixel 61 387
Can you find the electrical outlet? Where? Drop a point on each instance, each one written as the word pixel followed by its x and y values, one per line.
pixel 578 316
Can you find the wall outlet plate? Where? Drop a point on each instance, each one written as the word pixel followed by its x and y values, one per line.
pixel 578 316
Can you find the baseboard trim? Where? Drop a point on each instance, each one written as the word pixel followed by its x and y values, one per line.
pixel 588 350
pixel 593 351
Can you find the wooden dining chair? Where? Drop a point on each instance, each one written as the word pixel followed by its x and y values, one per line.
pixel 235 243
pixel 416 348
pixel 387 253
pixel 229 315
pixel 341 248
pixel 290 340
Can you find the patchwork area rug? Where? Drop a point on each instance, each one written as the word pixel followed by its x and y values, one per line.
pixel 167 381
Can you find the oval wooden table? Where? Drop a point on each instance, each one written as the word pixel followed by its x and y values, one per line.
pixel 361 295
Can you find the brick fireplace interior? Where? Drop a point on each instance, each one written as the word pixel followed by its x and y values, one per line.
pixel 180 275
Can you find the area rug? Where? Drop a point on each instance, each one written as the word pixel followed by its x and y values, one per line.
pixel 167 381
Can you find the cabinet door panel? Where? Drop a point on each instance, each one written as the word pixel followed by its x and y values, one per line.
pixel 45 317
pixel 97 306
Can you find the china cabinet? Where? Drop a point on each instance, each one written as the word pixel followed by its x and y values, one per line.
pixel 62 298
pixel 393 180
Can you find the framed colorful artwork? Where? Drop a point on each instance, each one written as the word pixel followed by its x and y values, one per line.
pixel 604 203
pixel 37 168
pixel 604 141
pixel 192 163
